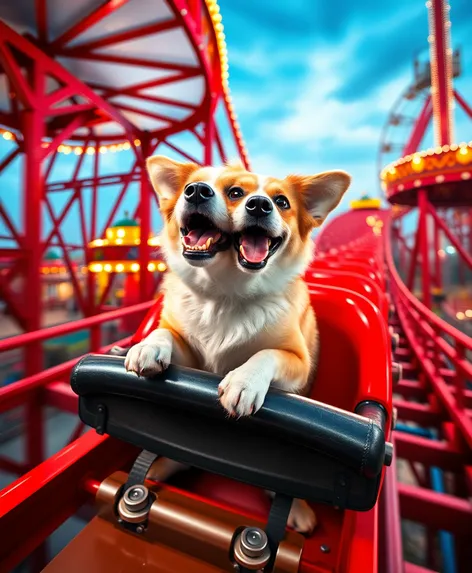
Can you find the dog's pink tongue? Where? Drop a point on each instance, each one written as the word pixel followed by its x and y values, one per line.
pixel 255 248
pixel 198 237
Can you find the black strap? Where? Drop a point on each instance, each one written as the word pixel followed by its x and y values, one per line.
pixel 277 523
pixel 140 468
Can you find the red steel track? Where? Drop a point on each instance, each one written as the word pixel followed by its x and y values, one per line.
pixel 114 79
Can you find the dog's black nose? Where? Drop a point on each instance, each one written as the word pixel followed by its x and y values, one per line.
pixel 259 206
pixel 197 193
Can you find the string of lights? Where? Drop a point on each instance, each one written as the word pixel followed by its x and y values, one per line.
pixel 216 20
pixel 457 154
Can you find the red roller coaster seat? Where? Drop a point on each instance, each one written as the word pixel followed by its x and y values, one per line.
pixel 352 266
pixel 349 281
pixel 353 367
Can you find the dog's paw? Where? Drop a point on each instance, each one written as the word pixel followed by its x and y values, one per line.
pixel 242 391
pixel 147 359
pixel 301 518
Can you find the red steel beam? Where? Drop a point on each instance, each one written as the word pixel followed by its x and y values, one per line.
pixel 452 238
pixel 10 226
pixel 54 484
pixel 21 392
pixel 438 510
pixel 441 72
pixel 12 467
pixel 101 12
pixel 145 112
pixel 43 334
pixel 464 105
pixel 390 527
pixel 184 69
pixel 119 37
pixel 61 217
pixel 181 152
pixel 126 183
pixel 15 75
pixel 412 568
pixel 429 452
pixel 11 300
pixel 145 193
pixel 103 181
pixel 112 92
pixel 41 20
pixel 159 82
pixel 9 158
pixel 422 414
pixel 419 128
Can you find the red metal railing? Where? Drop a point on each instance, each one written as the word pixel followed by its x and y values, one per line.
pixel 438 347
pixel 32 393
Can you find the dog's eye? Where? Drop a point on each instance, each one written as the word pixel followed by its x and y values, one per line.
pixel 235 193
pixel 282 202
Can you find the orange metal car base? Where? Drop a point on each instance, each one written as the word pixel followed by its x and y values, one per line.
pixel 180 534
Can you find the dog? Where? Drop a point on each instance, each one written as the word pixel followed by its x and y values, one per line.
pixel 237 245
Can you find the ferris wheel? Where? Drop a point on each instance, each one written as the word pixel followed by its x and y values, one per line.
pixel 410 116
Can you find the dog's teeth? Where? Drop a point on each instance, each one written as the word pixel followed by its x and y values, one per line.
pixel 241 250
pixel 208 243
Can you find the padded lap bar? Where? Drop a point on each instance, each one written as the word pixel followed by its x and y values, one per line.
pixel 293 445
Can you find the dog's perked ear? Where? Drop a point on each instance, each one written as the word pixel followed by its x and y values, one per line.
pixel 321 193
pixel 168 176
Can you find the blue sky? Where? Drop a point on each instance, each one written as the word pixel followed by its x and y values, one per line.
pixel 312 82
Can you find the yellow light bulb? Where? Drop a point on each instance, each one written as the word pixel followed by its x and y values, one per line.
pixel 460 315
pixel 151 267
pixel 102 149
pixel 161 267
pixel 119 241
pixel 107 268
pixel 135 267
pixel 90 150
pixel 126 145
pixel 7 135
pixel 137 142
pixel 98 268
pixel 119 268
pixel 120 233
pixel 78 150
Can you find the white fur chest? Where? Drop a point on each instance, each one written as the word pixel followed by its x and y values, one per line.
pixel 225 332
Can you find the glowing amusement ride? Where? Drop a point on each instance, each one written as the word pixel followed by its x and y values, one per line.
pixel 89 89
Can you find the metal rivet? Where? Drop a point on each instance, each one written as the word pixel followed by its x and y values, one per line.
pixel 140 529
pixel 325 548
pixel 183 12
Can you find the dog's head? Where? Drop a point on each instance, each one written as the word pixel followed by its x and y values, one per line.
pixel 229 224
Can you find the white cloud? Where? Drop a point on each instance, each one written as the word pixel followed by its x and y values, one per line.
pixel 317 117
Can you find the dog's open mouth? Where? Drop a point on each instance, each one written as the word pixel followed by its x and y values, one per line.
pixel 201 239
pixel 255 247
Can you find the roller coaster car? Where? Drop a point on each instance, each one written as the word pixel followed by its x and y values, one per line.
pixel 331 450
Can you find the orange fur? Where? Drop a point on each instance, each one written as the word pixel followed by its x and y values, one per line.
pixel 253 325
